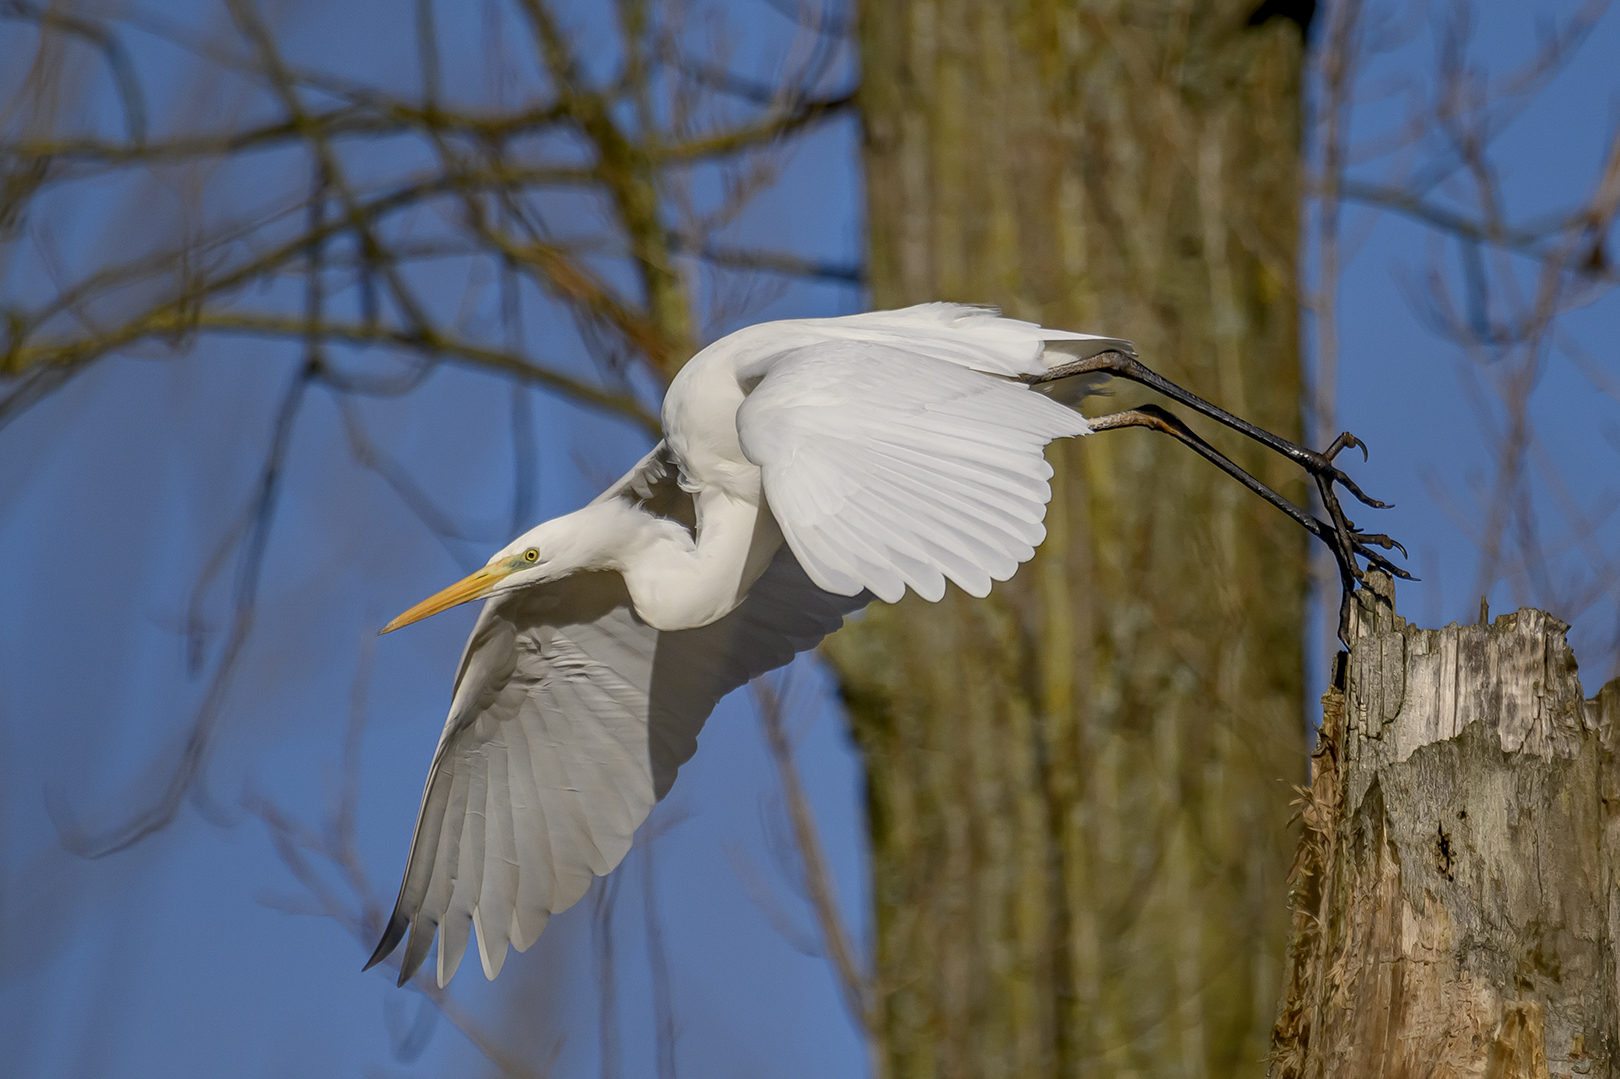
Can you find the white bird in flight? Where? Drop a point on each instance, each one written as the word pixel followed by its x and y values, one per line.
pixel 807 467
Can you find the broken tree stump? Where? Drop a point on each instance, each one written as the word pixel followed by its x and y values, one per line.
pixel 1456 910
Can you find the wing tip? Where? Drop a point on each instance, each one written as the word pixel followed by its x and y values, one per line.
pixel 392 935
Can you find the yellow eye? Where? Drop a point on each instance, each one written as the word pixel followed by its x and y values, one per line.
pixel 531 555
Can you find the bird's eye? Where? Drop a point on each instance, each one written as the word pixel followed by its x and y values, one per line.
pixel 531 555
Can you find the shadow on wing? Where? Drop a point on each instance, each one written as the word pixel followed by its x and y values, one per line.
pixel 784 614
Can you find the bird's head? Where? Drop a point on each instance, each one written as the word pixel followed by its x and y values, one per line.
pixel 547 552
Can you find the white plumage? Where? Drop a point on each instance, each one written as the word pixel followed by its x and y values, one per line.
pixel 886 469
pixel 808 465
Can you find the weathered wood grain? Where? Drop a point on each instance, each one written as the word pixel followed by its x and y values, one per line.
pixel 1455 902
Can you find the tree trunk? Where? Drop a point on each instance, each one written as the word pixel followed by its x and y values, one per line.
pixel 1455 901
pixel 1079 787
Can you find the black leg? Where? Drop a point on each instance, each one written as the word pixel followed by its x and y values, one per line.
pixel 1341 535
pixel 1120 365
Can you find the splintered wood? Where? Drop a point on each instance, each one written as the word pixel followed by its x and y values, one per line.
pixel 1455 904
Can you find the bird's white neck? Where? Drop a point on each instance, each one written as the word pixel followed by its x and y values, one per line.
pixel 677 581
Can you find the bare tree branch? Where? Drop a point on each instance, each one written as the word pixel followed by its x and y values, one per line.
pixel 161 809
pixel 130 95
pixel 852 982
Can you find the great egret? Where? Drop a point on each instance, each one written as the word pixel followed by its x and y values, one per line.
pixel 807 467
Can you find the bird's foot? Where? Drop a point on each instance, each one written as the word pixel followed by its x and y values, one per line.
pixel 1343 538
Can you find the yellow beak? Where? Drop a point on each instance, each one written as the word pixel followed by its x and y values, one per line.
pixel 468 588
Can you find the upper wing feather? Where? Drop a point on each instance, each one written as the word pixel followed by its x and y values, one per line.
pixel 972 336
pixel 569 720
pixel 887 468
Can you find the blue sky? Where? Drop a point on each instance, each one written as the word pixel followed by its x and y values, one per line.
pixel 1401 385
pixel 179 957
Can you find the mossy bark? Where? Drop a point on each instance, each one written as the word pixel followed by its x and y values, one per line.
pixel 1079 788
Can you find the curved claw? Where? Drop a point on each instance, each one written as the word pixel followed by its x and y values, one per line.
pixel 1350 485
pixel 1346 440
pixel 1378 561
pixel 1383 541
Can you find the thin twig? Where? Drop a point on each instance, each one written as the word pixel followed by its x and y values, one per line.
pixel 852 981
pixel 161 808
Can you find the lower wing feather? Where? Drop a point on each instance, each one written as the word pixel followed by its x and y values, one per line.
pixel 571 717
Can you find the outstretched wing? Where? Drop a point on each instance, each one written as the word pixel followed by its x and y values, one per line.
pixel 570 717
pixel 887 466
